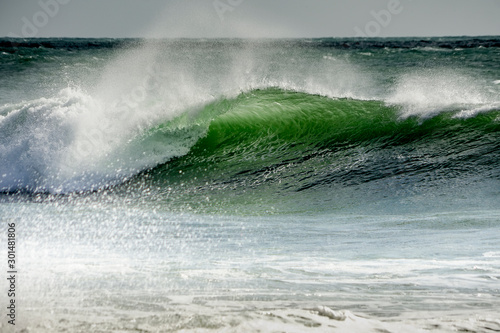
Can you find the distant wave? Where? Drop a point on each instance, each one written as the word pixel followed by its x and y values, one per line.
pixel 340 43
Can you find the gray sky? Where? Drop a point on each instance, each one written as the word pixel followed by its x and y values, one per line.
pixel 248 18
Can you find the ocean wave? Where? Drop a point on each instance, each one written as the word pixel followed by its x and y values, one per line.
pixel 59 145
pixel 234 112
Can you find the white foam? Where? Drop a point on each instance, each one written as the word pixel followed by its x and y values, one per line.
pixel 474 111
pixel 74 142
pixel 133 311
pixel 491 254
pixel 425 93
pixel 433 49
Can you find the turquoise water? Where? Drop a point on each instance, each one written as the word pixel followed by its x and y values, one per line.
pixel 234 185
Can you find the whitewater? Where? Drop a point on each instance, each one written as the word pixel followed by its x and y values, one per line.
pixel 234 185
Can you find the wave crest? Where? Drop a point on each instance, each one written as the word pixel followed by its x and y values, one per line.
pixel 74 142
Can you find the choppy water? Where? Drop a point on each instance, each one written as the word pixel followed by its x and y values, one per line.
pixel 235 185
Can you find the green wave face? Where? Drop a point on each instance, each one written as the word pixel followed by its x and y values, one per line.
pixel 281 151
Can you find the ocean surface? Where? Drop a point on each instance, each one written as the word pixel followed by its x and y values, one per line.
pixel 232 185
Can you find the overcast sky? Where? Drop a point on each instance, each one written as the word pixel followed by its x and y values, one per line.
pixel 248 18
